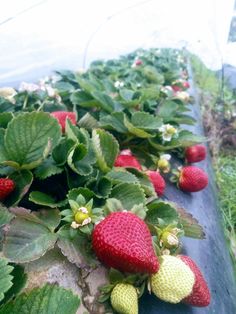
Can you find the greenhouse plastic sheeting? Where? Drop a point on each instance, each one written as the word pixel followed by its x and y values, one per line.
pixel 38 37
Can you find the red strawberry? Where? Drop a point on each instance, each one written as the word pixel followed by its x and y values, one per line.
pixel 61 116
pixel 192 179
pixel 195 153
pixel 138 62
pixel 186 85
pixel 200 295
pixel 157 181
pixel 123 241
pixel 127 161
pixel 6 187
pixel 176 88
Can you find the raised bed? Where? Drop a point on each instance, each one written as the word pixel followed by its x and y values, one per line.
pixel 60 260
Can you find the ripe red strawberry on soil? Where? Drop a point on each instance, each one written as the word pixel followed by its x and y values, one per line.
pixel 6 187
pixel 192 179
pixel 61 117
pixel 157 181
pixel 127 161
pixel 123 241
pixel 195 153
pixel 200 295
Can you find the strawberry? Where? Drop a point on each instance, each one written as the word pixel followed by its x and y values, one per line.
pixel 138 62
pixel 123 241
pixel 200 295
pixel 124 299
pixel 176 88
pixel 174 281
pixel 127 161
pixel 195 153
pixel 186 85
pixel 6 187
pixel 157 181
pixel 192 179
pixel 180 280
pixel 61 117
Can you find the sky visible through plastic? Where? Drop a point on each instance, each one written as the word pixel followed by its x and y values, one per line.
pixel 40 36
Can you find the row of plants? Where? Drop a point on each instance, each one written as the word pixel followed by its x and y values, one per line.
pixel 218 108
pixel 85 158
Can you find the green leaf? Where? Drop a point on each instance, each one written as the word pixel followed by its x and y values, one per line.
pixel 5 277
pixel 49 299
pixel 44 199
pixel 23 180
pixel 145 121
pixel 183 119
pixel 47 169
pixel 128 194
pixel 150 93
pixel 85 84
pixel 61 151
pixel 152 75
pixel 85 192
pixel 144 181
pixel 78 249
pixel 3 153
pixel 167 109
pixel 105 101
pixel 190 224
pixel 101 187
pixel 126 94
pixel 81 159
pixel 106 149
pixel 161 211
pixel 114 121
pixel 19 282
pixel 115 276
pixel 112 205
pixel 88 122
pixel 139 132
pixel 117 176
pixel 30 137
pixel 139 210
pixel 5 118
pixel 71 131
pixel 5 216
pixel 187 138
pixel 26 240
pixel 50 217
pixel 82 99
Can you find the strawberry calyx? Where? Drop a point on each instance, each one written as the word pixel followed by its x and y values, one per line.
pixel 176 174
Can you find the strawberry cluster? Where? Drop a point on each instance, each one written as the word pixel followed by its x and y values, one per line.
pixel 188 178
pixel 123 241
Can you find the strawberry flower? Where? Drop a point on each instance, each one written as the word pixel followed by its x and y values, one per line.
pixel 82 214
pixel 168 131
pixel 28 87
pixel 8 93
pixel 119 84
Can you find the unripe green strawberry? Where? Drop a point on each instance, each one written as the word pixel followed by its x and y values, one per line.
pixel 124 299
pixel 174 281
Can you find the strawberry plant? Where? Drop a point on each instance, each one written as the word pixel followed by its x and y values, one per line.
pixel 83 165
